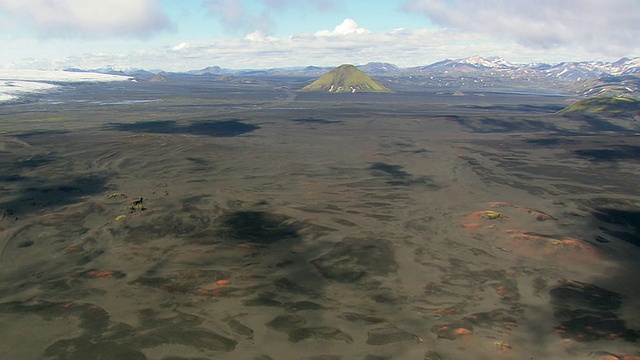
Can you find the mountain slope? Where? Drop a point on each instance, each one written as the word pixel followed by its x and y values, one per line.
pixel 604 105
pixel 379 68
pixel 345 78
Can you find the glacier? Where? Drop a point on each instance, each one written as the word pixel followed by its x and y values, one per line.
pixel 15 84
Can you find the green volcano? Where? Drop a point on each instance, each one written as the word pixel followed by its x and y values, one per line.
pixel 343 79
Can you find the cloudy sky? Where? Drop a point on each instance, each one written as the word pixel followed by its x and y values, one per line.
pixel 178 35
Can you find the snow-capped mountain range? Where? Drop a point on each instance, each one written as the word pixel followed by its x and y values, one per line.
pixel 565 70
pixel 474 64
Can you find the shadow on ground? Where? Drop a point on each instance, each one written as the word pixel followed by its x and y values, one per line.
pixel 54 193
pixel 316 121
pixel 506 125
pixel 396 176
pixel 622 224
pixel 226 128
pixel 253 257
pixel 617 153
pixel 29 134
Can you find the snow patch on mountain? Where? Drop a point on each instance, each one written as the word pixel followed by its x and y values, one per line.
pixel 488 63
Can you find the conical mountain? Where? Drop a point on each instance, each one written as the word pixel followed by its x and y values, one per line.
pixel 345 78
pixel 159 77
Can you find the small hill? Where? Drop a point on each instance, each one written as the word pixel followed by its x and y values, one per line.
pixel 159 78
pixel 604 105
pixel 345 79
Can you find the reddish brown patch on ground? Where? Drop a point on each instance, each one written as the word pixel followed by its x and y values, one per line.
pixel 214 289
pixel 462 331
pixel 525 242
pixel 608 357
pixel 246 246
pixel 448 311
pixel 618 357
pixel 542 246
pixel 100 274
pixel 452 331
pixel 507 292
pixel 471 226
pixel 501 290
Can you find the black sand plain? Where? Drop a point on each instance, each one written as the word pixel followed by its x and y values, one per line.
pixel 203 219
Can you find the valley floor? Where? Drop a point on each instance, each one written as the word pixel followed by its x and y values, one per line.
pixel 212 221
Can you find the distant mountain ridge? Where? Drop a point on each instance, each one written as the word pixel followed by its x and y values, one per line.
pixel 470 63
pixel 379 68
pixel 587 78
pixel 211 70
pixel 565 70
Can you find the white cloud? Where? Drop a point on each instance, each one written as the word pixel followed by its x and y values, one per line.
pixel 344 44
pixel 259 36
pixel 607 27
pixel 182 46
pixel 347 27
pixel 87 18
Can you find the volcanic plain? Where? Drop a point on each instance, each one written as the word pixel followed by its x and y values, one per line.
pixel 208 219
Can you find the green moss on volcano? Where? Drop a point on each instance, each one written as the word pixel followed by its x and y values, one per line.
pixel 604 105
pixel 343 79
